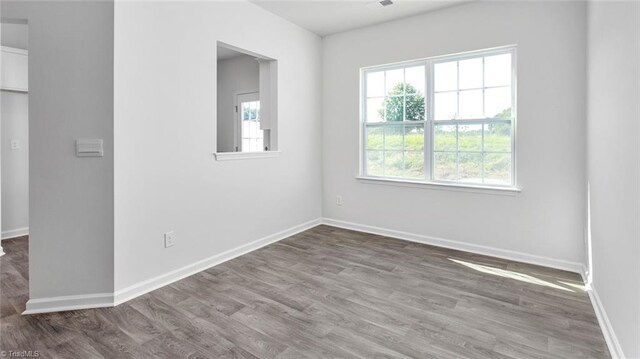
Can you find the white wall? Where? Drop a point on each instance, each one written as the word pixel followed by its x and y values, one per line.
pixel 70 96
pixel 15 35
pixel 166 177
pixel 614 164
pixel 235 76
pixel 546 219
pixel 15 163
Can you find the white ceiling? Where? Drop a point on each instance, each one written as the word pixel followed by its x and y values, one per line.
pixel 330 17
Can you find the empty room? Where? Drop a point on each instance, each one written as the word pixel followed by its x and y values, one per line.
pixel 320 179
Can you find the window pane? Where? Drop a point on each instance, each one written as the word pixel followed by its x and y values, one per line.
pixel 470 138
pixel 446 106
pixel 471 104
pixel 395 108
pixel 445 138
pixel 375 84
pixel 375 164
pixel 414 138
pixel 375 110
pixel 393 137
pixel 445 166
pixel 394 81
pixel 254 129
pixel 414 164
pixel 445 76
pixel 253 111
pixel 498 102
pixel 470 167
pixel 497 168
pixel 245 129
pixel 415 108
pixel 245 111
pixel 375 140
pixel 414 78
pixel 497 70
pixel 497 137
pixel 393 164
pixel 470 73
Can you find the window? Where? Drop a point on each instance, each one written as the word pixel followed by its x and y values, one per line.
pixel 448 119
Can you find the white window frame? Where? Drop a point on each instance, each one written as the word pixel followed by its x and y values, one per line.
pixel 429 122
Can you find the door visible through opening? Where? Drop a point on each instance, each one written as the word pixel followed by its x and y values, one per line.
pixel 250 138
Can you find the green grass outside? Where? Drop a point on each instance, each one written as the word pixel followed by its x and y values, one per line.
pixel 385 155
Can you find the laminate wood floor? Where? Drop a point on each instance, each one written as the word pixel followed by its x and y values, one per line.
pixel 324 293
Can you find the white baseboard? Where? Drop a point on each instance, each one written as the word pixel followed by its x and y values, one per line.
pixel 584 273
pixel 607 330
pixel 141 288
pixel 43 305
pixel 615 350
pixel 72 302
pixel 462 246
pixel 13 233
pixel 101 300
pixel 58 304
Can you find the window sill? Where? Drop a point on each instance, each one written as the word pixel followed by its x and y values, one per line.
pixel 231 156
pixel 442 186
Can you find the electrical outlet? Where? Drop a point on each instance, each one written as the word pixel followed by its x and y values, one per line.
pixel 339 201
pixel 169 239
pixel 15 144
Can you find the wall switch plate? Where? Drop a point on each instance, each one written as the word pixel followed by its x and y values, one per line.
pixel 339 201
pixel 15 144
pixel 169 239
pixel 89 148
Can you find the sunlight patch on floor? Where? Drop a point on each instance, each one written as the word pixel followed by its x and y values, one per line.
pixel 515 275
pixel 578 286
